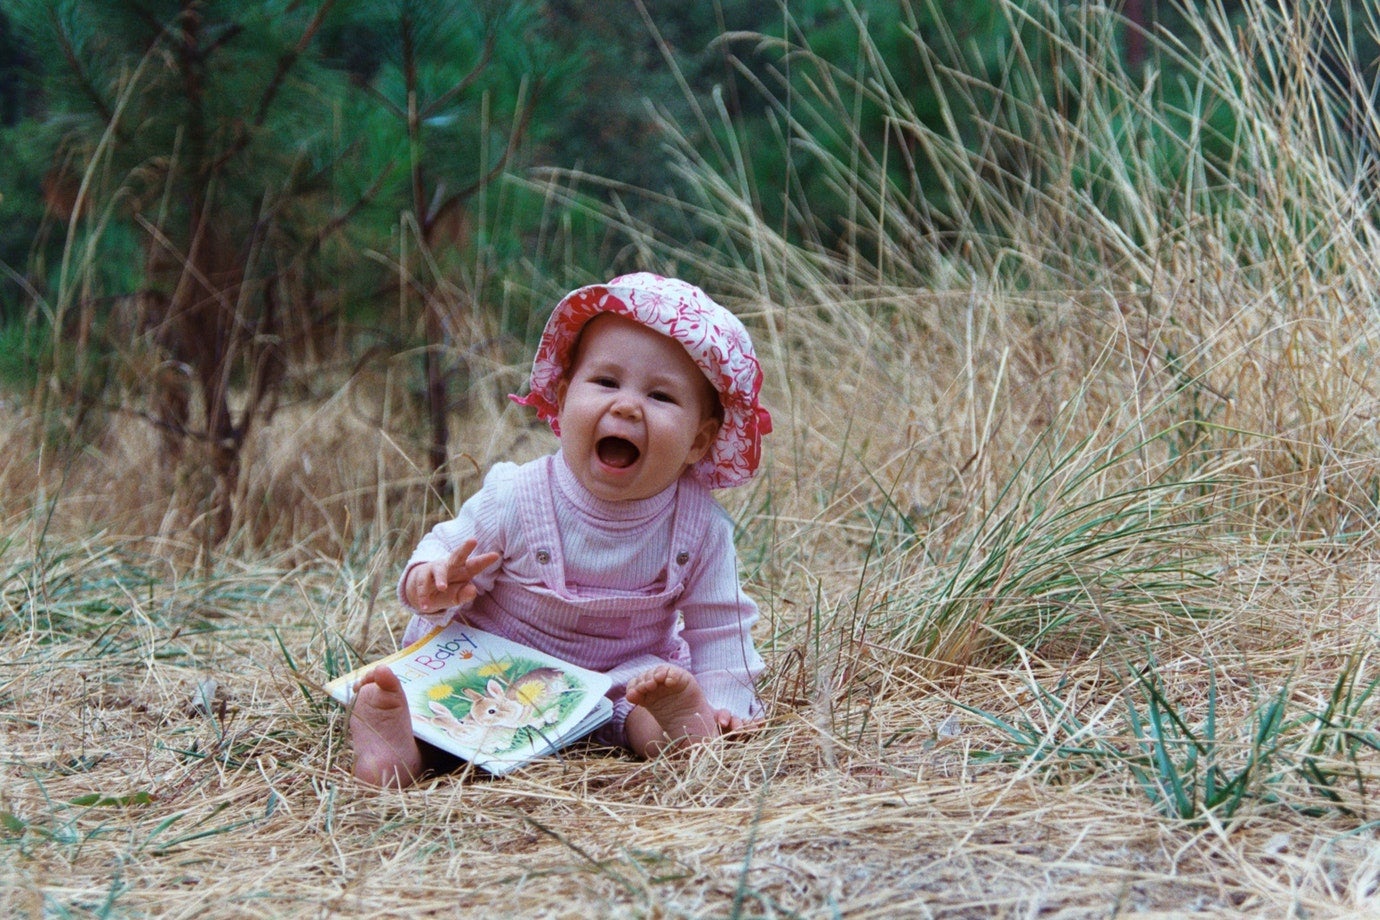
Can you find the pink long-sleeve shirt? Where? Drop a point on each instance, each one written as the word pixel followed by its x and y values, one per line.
pixel 611 586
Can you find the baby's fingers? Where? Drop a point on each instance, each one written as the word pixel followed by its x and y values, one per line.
pixel 461 567
pixel 457 564
pixel 431 586
pixel 478 564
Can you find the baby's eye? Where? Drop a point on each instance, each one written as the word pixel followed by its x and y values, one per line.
pixel 661 396
pixel 604 382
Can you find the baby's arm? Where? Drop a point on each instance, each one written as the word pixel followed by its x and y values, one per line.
pixel 445 583
pixel 718 619
pixel 480 521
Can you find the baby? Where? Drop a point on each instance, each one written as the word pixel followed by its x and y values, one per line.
pixel 610 553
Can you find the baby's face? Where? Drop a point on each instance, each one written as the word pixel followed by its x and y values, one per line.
pixel 635 411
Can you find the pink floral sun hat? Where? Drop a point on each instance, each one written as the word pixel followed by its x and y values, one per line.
pixel 714 338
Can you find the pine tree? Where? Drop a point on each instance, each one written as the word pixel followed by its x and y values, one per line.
pixel 190 126
pixel 451 88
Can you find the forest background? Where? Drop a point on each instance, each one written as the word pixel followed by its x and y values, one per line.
pixel 1066 539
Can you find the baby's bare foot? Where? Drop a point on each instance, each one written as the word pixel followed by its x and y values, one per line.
pixel 669 707
pixel 386 753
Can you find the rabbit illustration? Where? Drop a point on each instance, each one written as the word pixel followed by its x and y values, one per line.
pixel 528 700
pixel 495 707
pixel 497 714
pixel 484 738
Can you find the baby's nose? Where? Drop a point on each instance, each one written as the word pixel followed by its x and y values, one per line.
pixel 627 407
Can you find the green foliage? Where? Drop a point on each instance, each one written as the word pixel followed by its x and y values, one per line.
pixel 824 115
pixel 1190 767
pixel 473 68
pixel 671 62
pixel 179 140
pixel 1190 772
pixel 205 160
pixel 24 349
pixel 173 117
pixel 28 242
pixel 835 75
pixel 1083 540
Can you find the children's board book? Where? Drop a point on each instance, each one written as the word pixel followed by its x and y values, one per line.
pixel 496 703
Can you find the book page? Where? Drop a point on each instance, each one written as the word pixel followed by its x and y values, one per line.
pixel 489 700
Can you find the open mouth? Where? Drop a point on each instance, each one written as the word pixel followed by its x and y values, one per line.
pixel 617 452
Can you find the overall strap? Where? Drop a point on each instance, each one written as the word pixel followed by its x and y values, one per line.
pixel 537 511
pixel 694 508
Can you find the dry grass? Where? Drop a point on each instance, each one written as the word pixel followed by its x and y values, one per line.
pixel 123 793
pixel 1070 578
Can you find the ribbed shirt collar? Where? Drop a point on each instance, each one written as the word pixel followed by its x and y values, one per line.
pixel 637 511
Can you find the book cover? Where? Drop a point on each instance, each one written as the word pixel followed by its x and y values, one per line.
pixel 493 702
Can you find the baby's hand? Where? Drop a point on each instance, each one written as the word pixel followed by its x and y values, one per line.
pixel 730 724
pixel 436 586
